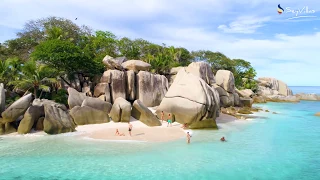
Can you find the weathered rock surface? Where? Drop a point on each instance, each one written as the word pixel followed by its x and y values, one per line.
pixel 2 98
pixel 117 84
pixel 113 63
pixel 308 97
pixel 279 98
pixel 121 110
pixel 190 99
pixel 75 98
pixel 236 99
pixel 57 119
pixel 246 102
pixel 98 104
pixel 100 89
pixel 151 88
pixel 202 70
pixel 172 74
pixel 39 125
pixel 247 93
pixel 225 79
pixel 7 128
pixel 226 99
pixel 136 65
pixel 17 109
pixel 267 84
pixel 131 85
pixel 142 113
pixel 259 99
pixel 30 117
pixel 88 115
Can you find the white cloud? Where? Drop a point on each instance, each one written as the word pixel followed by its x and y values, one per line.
pixel 191 24
pixel 244 24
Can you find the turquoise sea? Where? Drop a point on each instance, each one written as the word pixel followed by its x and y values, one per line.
pixel 275 146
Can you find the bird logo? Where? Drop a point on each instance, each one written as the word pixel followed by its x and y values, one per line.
pixel 280 9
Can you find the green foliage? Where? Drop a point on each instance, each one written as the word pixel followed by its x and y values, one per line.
pixel 55 47
pixel 61 96
pixel 35 76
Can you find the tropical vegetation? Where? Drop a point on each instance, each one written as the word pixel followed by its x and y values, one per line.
pixel 52 50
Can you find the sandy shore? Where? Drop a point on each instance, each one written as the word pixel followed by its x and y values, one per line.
pixel 140 131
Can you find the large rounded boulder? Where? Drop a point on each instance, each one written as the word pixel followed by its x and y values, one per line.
pixel 113 63
pixel 97 103
pixel 191 100
pixel 17 109
pixel 151 88
pixel 202 70
pixel 75 98
pixel 30 117
pixel 136 65
pixel 57 119
pixel 121 110
pixel 225 79
pixel 142 113
pixel 88 115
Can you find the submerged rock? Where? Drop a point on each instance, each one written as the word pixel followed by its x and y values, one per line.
pixel 121 110
pixel 142 113
pixel 17 109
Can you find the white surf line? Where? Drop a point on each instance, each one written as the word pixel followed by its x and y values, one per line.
pixel 120 141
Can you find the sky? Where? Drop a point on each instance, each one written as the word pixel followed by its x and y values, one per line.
pixel 282 46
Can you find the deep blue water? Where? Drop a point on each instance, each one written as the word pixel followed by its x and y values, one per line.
pixel 282 146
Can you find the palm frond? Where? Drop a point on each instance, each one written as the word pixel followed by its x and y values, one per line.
pixel 44 88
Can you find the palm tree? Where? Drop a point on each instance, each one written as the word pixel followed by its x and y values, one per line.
pixel 10 70
pixel 35 76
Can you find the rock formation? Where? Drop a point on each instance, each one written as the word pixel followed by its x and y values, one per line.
pixel 113 63
pixel 190 100
pixel 130 85
pixel 75 98
pixel 308 97
pixel 136 65
pixel 121 110
pixel 88 115
pixel 117 83
pixel 17 109
pixel 202 70
pixel 151 88
pixel 2 98
pixel 30 117
pixel 226 89
pixel 57 119
pixel 97 103
pixel 142 113
pixel 271 86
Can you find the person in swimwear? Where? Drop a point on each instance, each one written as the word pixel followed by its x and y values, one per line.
pixel 130 128
pixel 184 126
pixel 169 121
pixel 188 137
pixel 118 133
pixel 223 139
pixel 162 116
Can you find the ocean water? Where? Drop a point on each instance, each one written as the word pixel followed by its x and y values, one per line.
pixel 305 89
pixel 282 146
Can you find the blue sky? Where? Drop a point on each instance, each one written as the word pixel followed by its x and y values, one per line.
pixel 247 29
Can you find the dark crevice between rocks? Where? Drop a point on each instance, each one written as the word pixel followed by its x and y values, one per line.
pixel 120 114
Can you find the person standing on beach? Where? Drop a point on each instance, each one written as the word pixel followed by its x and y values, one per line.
pixel 188 137
pixel 169 121
pixel 130 128
pixel 162 116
